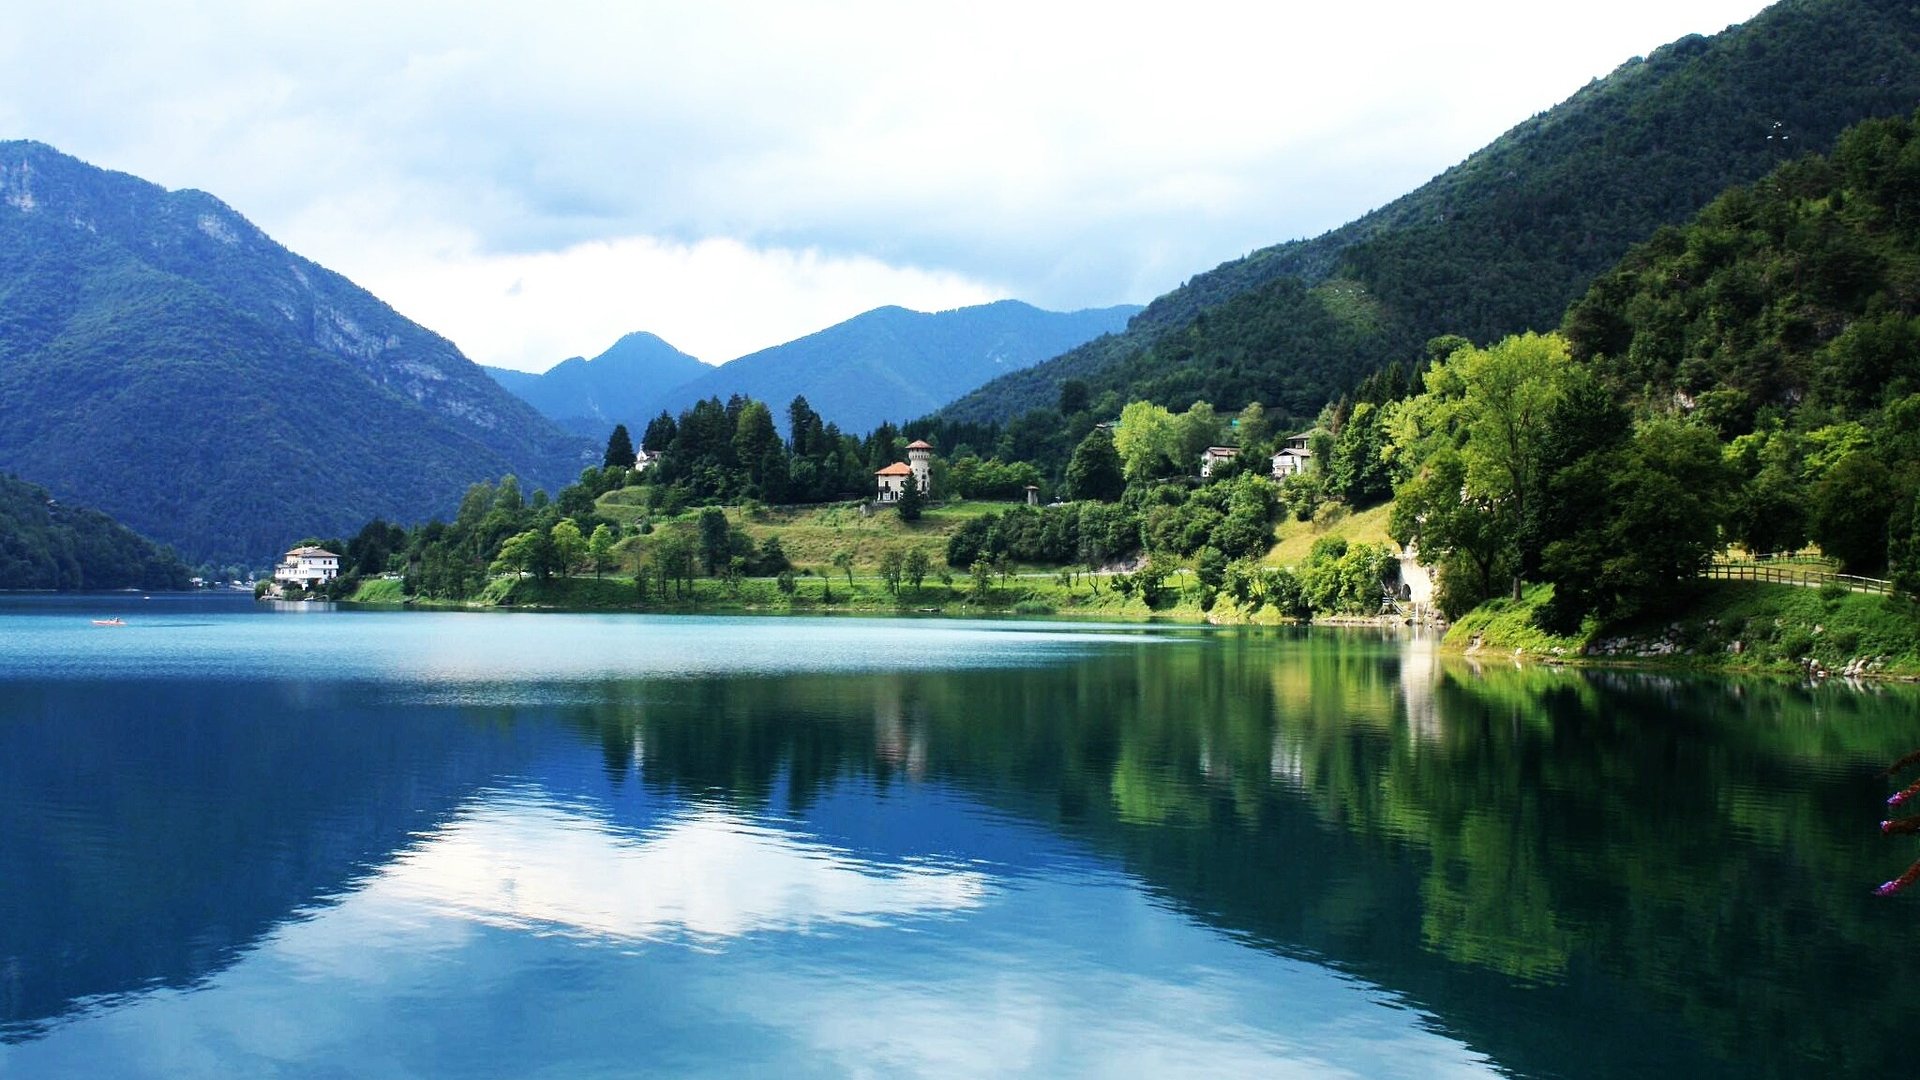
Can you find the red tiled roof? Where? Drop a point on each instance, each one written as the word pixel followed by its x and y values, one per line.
pixel 895 469
pixel 919 444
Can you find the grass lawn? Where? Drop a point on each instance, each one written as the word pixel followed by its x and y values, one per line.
pixel 811 535
pixel 1297 537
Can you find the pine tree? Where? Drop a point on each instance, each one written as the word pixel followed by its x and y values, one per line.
pixel 910 502
pixel 619 449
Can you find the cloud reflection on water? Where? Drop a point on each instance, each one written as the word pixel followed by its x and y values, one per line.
pixel 521 860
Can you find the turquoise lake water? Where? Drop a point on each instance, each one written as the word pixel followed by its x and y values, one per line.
pixel 248 840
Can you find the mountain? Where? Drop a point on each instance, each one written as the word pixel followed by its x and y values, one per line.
pixel 887 364
pixel 1505 240
pixel 163 359
pixel 45 544
pixel 628 383
pixel 891 363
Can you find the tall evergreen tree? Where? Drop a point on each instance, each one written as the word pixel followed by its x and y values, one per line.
pixel 619 449
pixel 661 431
pixel 910 501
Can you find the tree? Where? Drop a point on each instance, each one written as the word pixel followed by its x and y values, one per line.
pixel 756 446
pixel 916 567
pixel 1146 441
pixel 1453 529
pixel 910 501
pixel 619 449
pixel 600 547
pixel 892 567
pixel 569 547
pixel 844 560
pixel 661 432
pixel 1651 521
pixel 1852 507
pixel 1487 408
pixel 1254 428
pixel 673 560
pixel 773 556
pixel 1095 471
pixel 1195 430
pixel 1358 471
pixel 528 552
pixel 1074 397
pixel 808 433
pixel 714 539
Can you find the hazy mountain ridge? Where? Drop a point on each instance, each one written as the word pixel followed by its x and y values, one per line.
pixel 165 360
pixel 890 363
pixel 628 384
pixel 1507 238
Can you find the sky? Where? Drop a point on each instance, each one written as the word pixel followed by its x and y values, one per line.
pixel 535 180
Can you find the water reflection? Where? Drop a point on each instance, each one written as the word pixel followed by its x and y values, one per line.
pixel 1312 850
pixel 519 860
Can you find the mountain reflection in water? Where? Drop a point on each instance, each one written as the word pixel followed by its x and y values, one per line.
pixel 1048 849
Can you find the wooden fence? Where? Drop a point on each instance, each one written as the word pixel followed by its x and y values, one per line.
pixel 1808 576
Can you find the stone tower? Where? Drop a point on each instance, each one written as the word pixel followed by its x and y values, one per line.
pixel 920 460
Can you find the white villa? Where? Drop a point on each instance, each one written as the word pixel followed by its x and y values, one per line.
pixel 1215 455
pixel 307 567
pixel 642 460
pixel 891 482
pixel 1293 458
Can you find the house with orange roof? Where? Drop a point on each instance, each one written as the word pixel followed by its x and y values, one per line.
pixel 891 482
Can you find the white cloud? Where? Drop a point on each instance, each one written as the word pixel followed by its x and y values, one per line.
pixel 850 154
pixel 716 299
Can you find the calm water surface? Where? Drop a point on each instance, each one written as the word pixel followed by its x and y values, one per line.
pixel 243 841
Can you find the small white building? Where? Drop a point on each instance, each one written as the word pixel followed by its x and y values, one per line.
pixel 1292 458
pixel 891 482
pixel 642 460
pixel 1215 455
pixel 307 567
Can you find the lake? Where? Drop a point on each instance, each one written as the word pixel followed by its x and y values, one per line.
pixel 247 839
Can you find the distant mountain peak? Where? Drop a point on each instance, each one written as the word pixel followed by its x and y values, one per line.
pixel 890 362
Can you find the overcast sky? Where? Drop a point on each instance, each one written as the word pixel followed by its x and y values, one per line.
pixel 533 180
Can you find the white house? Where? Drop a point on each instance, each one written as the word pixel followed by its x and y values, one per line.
pixel 891 482
pixel 1292 458
pixel 307 567
pixel 1215 455
pixel 642 460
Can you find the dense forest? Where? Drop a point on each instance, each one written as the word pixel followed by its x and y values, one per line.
pixel 45 544
pixel 1504 241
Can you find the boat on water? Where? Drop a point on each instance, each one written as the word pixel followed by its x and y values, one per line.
pixel 109 622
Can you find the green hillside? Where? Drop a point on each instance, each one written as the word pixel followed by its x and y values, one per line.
pixel 165 361
pixel 45 544
pixel 1506 239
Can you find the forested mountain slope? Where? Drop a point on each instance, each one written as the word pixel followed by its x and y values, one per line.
pixel 163 359
pixel 45 544
pixel 1506 239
